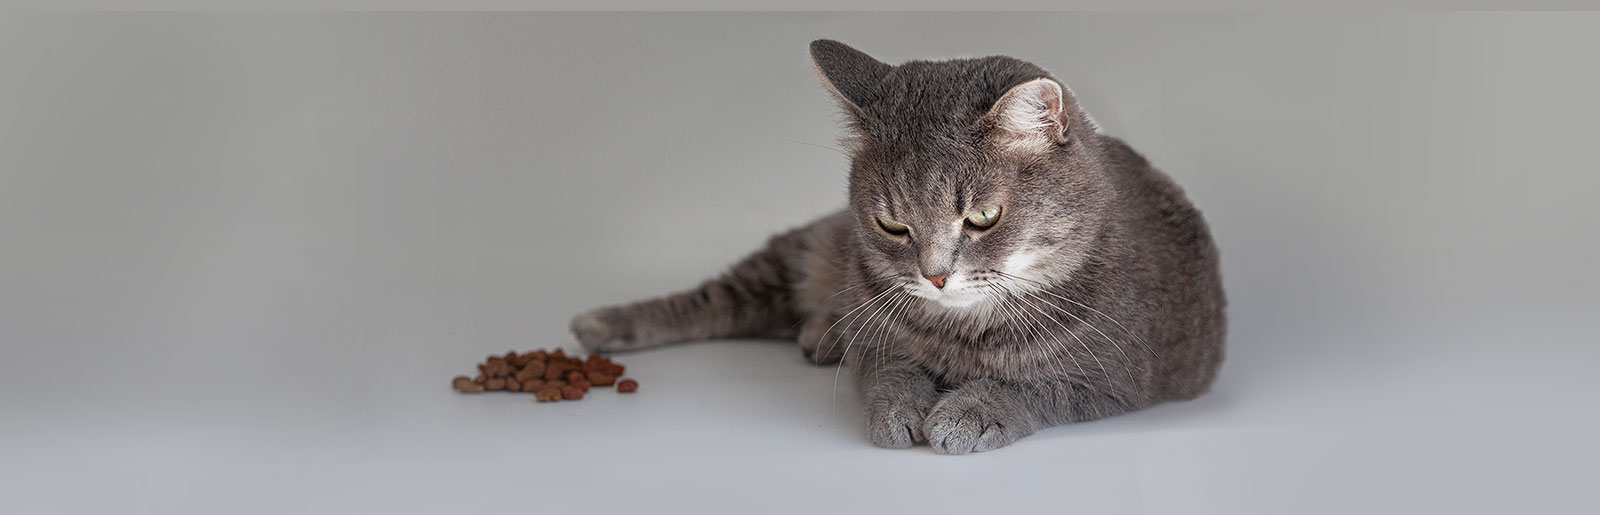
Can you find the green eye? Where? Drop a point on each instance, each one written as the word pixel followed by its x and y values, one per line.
pixel 892 227
pixel 984 219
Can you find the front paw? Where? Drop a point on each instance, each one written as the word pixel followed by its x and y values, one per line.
pixel 604 329
pixel 973 421
pixel 896 424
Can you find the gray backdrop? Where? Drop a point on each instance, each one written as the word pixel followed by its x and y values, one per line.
pixel 241 256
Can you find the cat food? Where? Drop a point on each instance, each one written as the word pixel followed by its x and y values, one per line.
pixel 550 376
pixel 599 378
pixel 465 385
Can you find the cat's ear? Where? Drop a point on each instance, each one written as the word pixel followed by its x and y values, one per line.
pixel 850 74
pixel 1032 115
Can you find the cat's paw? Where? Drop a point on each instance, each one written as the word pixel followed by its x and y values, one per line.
pixel 895 425
pixel 972 421
pixel 814 343
pixel 604 329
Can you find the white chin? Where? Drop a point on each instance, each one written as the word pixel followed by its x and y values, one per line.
pixel 957 300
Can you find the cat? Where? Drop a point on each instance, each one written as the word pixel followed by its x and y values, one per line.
pixel 1003 266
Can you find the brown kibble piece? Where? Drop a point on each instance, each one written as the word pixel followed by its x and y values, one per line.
pixel 574 375
pixel 552 372
pixel 460 382
pixel 472 388
pixel 559 353
pixel 627 385
pixel 529 374
pixel 547 394
pixel 512 385
pixel 616 370
pixel 532 386
pixel 599 378
pixel 556 383
pixel 497 367
pixel 495 383
pixel 480 379
pixel 571 393
pixel 582 384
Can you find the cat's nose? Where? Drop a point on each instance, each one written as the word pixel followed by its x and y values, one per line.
pixel 937 280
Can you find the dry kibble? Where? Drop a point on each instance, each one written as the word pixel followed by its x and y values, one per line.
pixel 549 376
pixel 599 378
pixel 497 367
pixel 534 370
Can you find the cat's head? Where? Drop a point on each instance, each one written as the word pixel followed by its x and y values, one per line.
pixel 967 175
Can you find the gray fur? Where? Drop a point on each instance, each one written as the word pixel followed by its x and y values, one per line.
pixel 1122 309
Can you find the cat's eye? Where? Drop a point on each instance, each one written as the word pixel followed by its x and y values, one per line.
pixel 984 219
pixel 892 227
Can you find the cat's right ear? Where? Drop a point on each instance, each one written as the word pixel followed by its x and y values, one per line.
pixel 849 73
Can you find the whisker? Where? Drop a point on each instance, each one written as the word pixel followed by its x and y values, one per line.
pixel 1012 312
pixel 841 152
pixel 858 307
pixel 1085 345
pixel 1126 359
pixel 1041 345
pixel 1044 289
pixel 893 307
pixel 898 292
pixel 863 283
pixel 896 315
pixel 837 293
pixel 1040 330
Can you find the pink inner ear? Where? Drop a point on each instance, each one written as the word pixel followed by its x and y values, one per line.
pixel 1052 103
pixel 1033 109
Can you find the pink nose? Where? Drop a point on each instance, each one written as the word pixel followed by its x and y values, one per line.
pixel 937 280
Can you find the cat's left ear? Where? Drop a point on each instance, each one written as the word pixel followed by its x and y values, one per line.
pixel 1032 115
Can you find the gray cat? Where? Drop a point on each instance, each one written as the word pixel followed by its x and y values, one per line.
pixel 1002 266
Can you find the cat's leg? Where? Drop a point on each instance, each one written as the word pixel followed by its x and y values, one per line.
pixel 986 414
pixel 754 298
pixel 896 393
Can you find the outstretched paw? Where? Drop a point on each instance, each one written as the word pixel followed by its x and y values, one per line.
pixel 604 329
